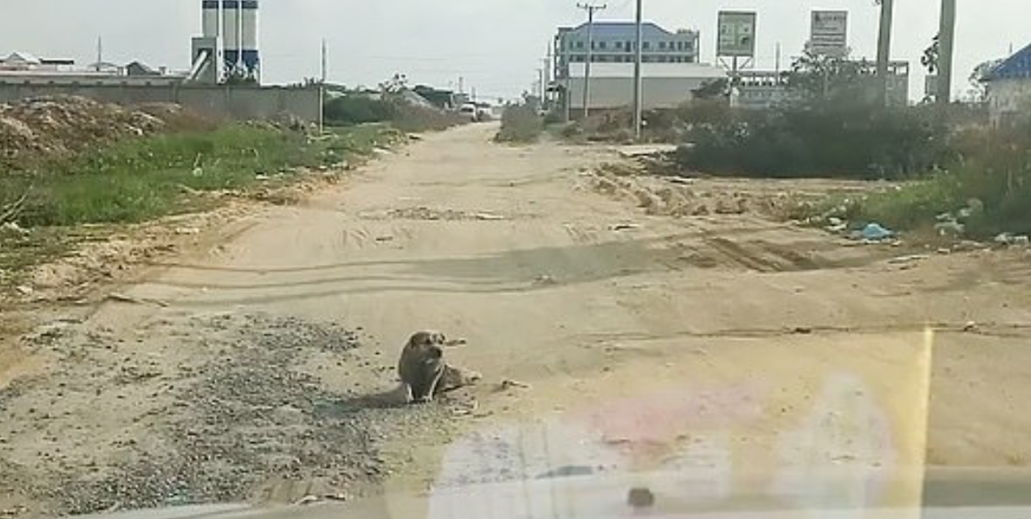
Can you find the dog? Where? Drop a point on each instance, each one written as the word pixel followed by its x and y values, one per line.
pixel 422 365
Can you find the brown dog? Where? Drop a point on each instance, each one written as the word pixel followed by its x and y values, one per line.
pixel 422 365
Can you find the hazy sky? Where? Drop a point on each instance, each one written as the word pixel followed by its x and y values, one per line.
pixel 495 44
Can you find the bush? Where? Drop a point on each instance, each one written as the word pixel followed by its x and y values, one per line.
pixel 839 138
pixel 357 109
pixel 520 123
pixel 994 178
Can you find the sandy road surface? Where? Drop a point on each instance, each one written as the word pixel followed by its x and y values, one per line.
pixel 748 356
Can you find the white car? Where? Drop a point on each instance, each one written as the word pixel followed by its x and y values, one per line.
pixel 469 110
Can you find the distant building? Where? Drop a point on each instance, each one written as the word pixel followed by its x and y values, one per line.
pixel 663 85
pixel 616 42
pixel 1009 87
pixel 767 89
pixel 25 62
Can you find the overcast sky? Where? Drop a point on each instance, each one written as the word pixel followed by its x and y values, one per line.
pixel 495 44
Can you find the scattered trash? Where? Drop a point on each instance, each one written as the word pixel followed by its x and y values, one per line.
pixel 307 500
pixel 509 383
pixel 24 290
pixel 187 230
pixel 802 330
pixel 624 226
pixel 970 326
pixel 876 232
pixel 122 298
pixel 414 137
pixel 681 180
pixel 943 251
pixel 488 216
pixel 13 227
pixel 950 228
pixel 901 260
pixel 1011 239
pixel 544 279
pixel 198 172
pixel 384 238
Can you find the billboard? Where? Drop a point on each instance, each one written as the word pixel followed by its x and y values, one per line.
pixel 736 34
pixel 829 33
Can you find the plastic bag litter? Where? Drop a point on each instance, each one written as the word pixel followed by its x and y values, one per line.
pixel 875 232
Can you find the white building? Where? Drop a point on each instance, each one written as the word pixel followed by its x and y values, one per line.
pixel 1009 87
pixel 664 85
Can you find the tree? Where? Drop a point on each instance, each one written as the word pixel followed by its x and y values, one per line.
pixel 931 54
pixel 817 76
pixel 396 84
pixel 711 89
pixel 978 87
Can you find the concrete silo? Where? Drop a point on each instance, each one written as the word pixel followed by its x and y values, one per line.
pixel 231 37
pixel 249 55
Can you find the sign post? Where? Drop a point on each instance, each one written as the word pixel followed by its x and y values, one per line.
pixel 736 39
pixel 829 33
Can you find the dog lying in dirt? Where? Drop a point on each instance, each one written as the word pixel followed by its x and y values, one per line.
pixel 423 371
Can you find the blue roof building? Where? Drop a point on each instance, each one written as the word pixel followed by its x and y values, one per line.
pixel 1009 87
pixel 616 42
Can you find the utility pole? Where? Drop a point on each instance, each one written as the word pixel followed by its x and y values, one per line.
pixel 777 66
pixel 638 86
pixel 100 52
pixel 322 91
pixel 591 9
pixel 946 41
pixel 884 49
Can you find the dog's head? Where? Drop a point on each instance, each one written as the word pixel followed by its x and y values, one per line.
pixel 429 344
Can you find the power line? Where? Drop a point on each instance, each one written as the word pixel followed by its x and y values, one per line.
pixel 591 9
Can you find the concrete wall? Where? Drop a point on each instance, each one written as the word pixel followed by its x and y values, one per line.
pixel 229 102
pixel 1007 98
pixel 619 92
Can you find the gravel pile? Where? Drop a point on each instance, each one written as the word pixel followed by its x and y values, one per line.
pixel 238 422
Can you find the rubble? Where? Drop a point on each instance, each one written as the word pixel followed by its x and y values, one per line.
pixel 56 126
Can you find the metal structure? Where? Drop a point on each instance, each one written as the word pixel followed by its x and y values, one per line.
pixel 233 27
pixel 638 84
pixel 591 9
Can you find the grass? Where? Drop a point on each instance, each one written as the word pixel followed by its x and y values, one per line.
pixel 147 178
pixel 142 179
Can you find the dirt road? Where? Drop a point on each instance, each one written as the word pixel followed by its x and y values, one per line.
pixel 745 352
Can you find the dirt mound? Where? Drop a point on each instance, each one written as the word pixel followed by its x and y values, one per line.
pixel 55 126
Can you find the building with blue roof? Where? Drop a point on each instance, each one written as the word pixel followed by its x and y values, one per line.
pixel 1009 86
pixel 616 42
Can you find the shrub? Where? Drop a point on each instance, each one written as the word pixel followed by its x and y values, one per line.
pixel 520 123
pixel 357 109
pixel 839 138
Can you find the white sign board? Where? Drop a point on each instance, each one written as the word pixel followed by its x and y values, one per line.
pixel 829 34
pixel 736 34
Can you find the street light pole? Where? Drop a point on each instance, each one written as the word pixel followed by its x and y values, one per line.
pixel 591 9
pixel 638 86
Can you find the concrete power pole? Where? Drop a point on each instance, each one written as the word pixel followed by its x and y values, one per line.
pixel 591 9
pixel 946 41
pixel 884 49
pixel 322 90
pixel 638 82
